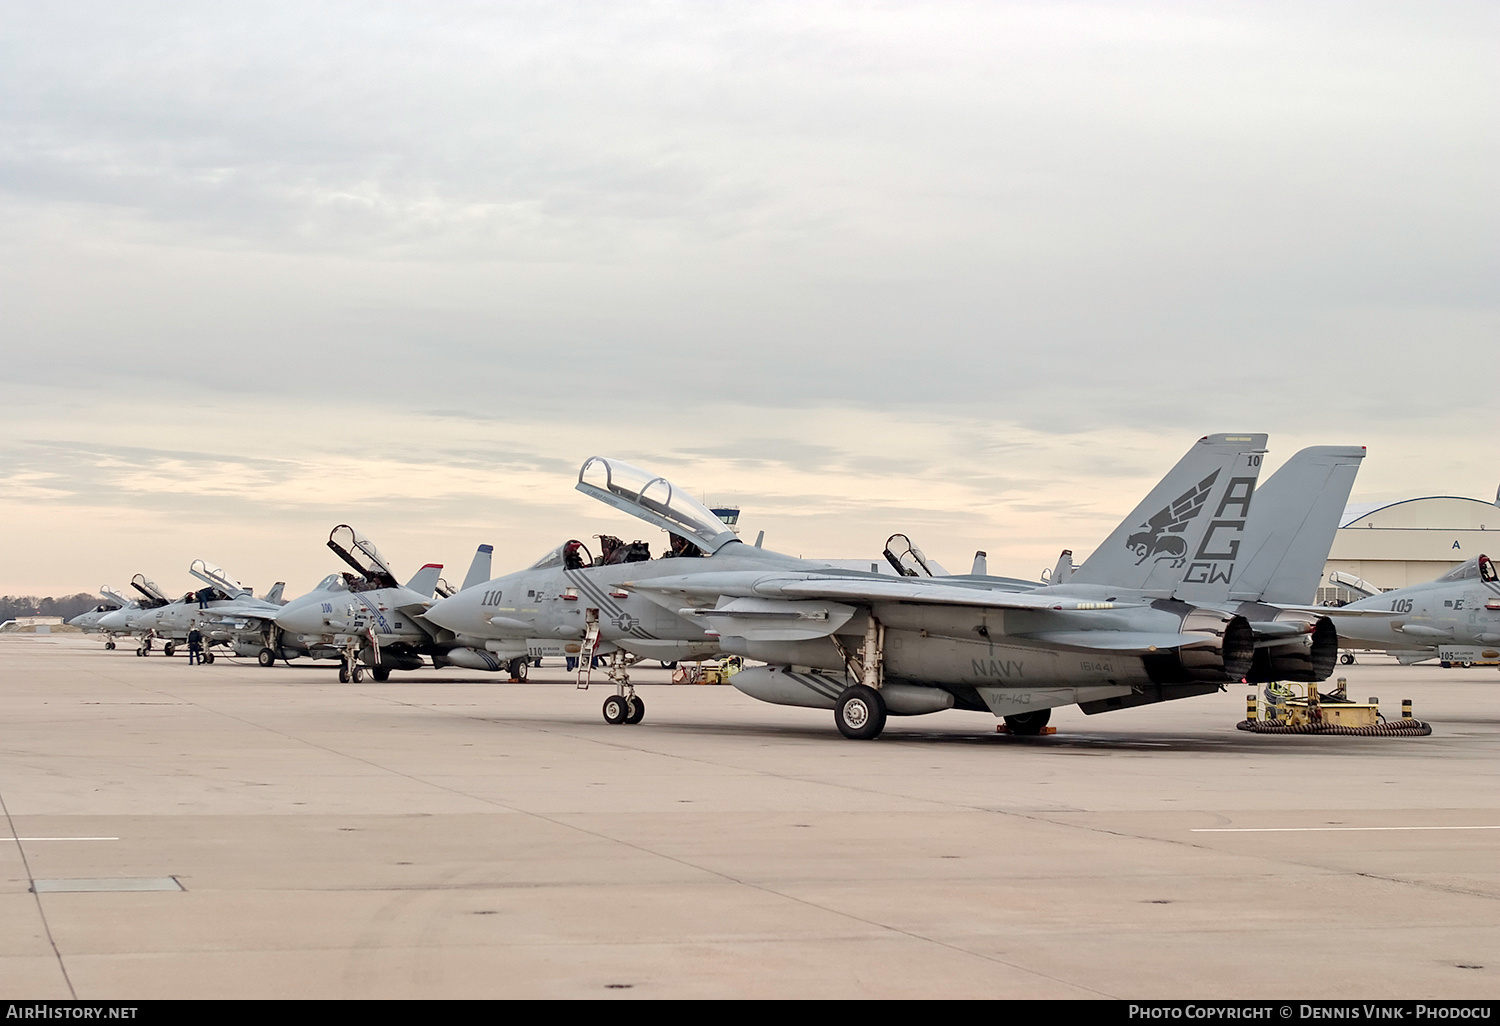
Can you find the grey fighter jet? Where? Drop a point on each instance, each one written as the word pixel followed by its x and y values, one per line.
pixel 223 611
pixel 135 619
pixel 368 619
pixel 1150 617
pixel 90 622
pixel 1455 619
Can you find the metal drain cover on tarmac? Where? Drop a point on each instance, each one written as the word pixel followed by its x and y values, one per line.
pixel 125 883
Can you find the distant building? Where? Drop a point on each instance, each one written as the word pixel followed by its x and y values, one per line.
pixel 1393 545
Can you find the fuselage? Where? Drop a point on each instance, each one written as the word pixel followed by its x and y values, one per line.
pixel 1425 616
pixel 556 604
pixel 330 615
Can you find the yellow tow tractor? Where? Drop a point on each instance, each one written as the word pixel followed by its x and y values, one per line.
pixel 712 673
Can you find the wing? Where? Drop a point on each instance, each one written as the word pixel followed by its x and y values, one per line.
pixel 936 591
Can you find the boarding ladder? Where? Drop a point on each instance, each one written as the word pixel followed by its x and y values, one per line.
pixel 586 649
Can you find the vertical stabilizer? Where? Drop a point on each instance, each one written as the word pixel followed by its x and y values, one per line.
pixel 1064 569
pixel 424 581
pixel 1296 514
pixel 1188 527
pixel 479 570
pixel 274 595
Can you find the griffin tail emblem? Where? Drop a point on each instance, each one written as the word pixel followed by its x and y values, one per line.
pixel 1163 535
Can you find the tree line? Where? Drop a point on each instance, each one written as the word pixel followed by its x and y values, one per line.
pixel 67 607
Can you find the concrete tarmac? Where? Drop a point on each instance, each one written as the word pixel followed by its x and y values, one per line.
pixel 447 835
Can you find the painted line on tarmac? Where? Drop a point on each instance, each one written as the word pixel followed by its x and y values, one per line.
pixel 1329 829
pixel 59 838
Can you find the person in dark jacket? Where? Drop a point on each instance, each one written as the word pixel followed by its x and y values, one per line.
pixel 195 646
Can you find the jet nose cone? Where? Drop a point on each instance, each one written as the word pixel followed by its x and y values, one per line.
pixel 443 612
pixel 300 620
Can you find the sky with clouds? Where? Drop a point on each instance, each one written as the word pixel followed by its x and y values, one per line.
pixel 978 272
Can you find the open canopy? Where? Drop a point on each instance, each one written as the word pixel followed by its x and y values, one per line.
pixel 654 500
pixel 360 553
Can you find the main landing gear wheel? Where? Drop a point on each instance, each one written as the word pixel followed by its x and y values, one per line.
pixel 1028 724
pixel 265 657
pixel 381 674
pixel 860 713
pixel 109 646
pixel 1347 658
pixel 168 649
pixel 519 667
pixel 616 709
pixel 637 709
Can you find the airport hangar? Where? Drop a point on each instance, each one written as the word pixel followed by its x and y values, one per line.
pixel 1393 545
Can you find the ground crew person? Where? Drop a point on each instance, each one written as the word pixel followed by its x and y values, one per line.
pixel 195 646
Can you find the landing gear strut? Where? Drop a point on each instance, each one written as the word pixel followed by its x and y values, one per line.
pixel 624 706
pixel 860 713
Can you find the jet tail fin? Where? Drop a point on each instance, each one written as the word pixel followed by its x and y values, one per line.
pixel 479 570
pixel 1064 569
pixel 424 581
pixel 1183 526
pixel 1297 512
pixel 274 595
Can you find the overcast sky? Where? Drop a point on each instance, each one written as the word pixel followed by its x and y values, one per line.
pixel 977 272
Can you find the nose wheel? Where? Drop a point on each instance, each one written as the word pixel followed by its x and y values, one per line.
pixel 624 709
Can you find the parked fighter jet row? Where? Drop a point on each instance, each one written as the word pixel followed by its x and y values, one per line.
pixel 1210 580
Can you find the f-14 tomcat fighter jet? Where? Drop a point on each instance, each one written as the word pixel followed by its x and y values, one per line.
pixel 134 619
pixel 367 618
pixel 217 610
pixel 89 622
pixel 1455 618
pixel 1151 616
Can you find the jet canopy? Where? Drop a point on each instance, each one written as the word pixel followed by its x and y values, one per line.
pixel 147 587
pixel 360 553
pixel 654 500
pixel 1479 567
pixel 114 596
pixel 217 579
pixel 908 560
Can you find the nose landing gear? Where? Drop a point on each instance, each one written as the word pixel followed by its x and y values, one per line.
pixel 624 706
